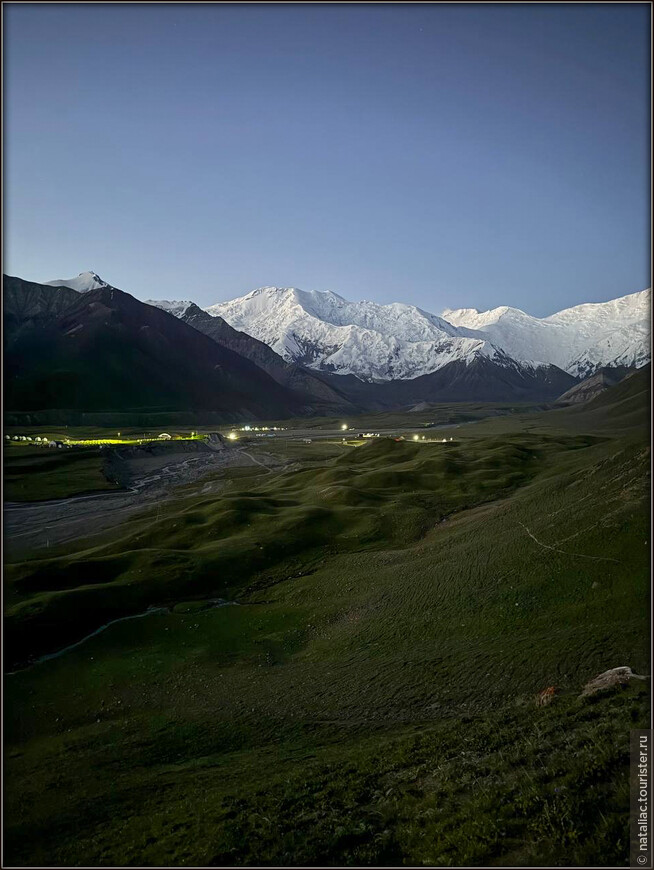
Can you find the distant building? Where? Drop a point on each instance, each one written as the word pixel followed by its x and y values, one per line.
pixel 165 437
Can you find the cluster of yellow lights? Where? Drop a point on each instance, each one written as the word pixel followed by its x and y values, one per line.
pixel 261 429
pixel 92 442
pixel 422 438
pixel 87 442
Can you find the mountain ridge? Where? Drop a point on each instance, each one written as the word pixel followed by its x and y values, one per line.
pixel 107 351
pixel 376 342
pixel 337 356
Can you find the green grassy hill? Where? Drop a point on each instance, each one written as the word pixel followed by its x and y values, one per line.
pixel 370 699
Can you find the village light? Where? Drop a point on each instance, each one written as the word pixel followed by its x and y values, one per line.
pixel 232 436
pixel 415 437
pixel 344 427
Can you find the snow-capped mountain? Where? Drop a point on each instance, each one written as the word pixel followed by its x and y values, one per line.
pixel 579 340
pixel 177 309
pixel 398 341
pixel 374 342
pixel 84 282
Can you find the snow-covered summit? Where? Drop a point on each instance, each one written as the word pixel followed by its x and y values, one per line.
pixel 579 339
pixel 84 282
pixel 177 309
pixel 375 342
pixel 378 342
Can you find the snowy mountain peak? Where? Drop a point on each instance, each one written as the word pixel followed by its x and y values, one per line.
pixel 474 319
pixel 84 282
pixel 268 291
pixel 177 309
pixel 579 340
pixel 327 332
pixel 376 342
pixel 633 305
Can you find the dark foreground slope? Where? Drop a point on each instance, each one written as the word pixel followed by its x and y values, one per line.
pixel 109 352
pixel 370 699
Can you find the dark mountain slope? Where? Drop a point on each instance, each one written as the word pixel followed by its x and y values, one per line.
pixel 108 351
pixel 105 351
pixel 326 398
pixel 629 401
pixel 624 408
pixel 591 387
pixel 637 384
pixel 482 380
pixel 27 305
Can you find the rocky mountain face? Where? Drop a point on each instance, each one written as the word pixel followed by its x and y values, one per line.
pixel 27 305
pixel 481 373
pixel 592 386
pixel 379 343
pixel 480 380
pixel 108 351
pixel 81 343
pixel 326 399
pixel 579 340
pixel 375 343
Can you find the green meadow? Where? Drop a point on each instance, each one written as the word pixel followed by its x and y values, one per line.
pixel 366 696
pixel 40 473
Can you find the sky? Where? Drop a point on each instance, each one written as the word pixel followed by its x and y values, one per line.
pixel 446 155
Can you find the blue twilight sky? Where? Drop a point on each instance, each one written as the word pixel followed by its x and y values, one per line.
pixel 446 155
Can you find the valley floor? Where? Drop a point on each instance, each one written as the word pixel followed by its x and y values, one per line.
pixel 84 515
pixel 369 697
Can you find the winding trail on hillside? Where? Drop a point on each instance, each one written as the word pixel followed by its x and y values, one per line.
pixel 565 552
pixel 151 611
pixel 269 470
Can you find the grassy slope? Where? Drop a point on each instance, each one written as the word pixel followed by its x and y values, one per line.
pixel 36 474
pixel 434 414
pixel 372 699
